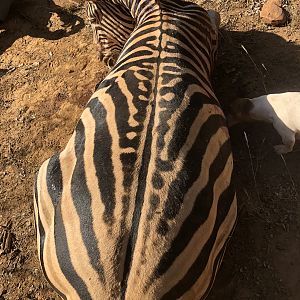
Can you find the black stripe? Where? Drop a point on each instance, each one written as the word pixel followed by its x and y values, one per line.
pixel 139 197
pixel 122 115
pixel 154 202
pixel 217 263
pixel 64 260
pixel 54 181
pixel 184 64
pixel 199 49
pixel 122 108
pixel 140 8
pixel 186 119
pixel 140 194
pixel 198 214
pixel 138 62
pixel 187 34
pixel 117 15
pixel 42 239
pixel 191 169
pixel 83 202
pixel 103 160
pixel 142 32
pixel 190 278
pixel 142 42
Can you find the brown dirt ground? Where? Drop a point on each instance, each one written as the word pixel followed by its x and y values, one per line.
pixel 48 70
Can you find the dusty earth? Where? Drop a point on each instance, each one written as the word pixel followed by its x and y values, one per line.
pixel 48 70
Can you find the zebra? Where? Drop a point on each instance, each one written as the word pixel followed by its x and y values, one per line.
pixel 110 41
pixel 140 204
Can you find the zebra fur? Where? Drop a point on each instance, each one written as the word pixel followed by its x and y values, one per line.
pixel 140 203
pixel 111 42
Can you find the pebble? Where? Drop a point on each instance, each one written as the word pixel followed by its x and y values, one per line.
pixel 273 14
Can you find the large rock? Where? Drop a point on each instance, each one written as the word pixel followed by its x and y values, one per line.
pixel 273 14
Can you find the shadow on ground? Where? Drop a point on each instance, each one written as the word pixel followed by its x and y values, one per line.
pixel 39 18
pixel 262 260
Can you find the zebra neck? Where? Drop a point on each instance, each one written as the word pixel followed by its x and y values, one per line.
pixel 139 9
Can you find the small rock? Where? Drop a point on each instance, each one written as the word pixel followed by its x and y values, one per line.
pixel 273 14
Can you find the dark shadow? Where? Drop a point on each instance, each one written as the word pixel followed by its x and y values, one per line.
pixel 262 259
pixel 33 18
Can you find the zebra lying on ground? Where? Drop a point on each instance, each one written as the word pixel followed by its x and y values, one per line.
pixel 140 204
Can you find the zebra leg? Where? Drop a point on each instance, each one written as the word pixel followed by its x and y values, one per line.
pixel 112 25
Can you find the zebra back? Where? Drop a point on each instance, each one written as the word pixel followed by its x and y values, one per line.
pixel 140 204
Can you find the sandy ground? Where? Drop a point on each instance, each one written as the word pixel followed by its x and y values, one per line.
pixel 48 70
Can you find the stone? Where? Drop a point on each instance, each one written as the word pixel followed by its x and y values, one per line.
pixel 273 14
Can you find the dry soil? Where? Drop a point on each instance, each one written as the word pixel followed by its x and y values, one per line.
pixel 48 70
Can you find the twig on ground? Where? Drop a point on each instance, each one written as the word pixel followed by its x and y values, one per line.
pixel 252 167
pixel 256 67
